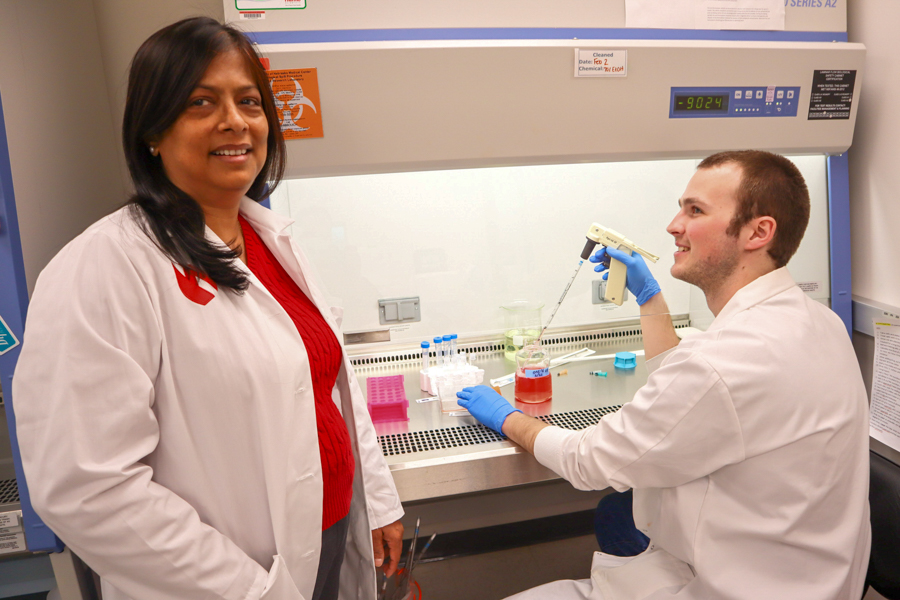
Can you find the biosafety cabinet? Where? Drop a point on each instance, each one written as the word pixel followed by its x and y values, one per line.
pixel 450 162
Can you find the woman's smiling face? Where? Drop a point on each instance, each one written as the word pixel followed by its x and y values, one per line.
pixel 217 146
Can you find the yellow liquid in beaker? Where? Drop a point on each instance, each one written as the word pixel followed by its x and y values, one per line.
pixel 515 339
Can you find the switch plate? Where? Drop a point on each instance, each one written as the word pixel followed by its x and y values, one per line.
pixel 598 290
pixel 394 311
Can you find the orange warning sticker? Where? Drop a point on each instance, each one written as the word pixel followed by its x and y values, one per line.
pixel 296 94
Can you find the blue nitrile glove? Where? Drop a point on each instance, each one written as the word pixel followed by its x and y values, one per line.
pixel 486 405
pixel 638 278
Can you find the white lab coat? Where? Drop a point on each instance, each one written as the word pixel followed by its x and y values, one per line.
pixel 172 444
pixel 748 453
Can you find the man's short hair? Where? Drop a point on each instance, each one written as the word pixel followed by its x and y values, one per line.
pixel 771 186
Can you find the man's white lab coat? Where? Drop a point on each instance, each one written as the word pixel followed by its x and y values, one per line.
pixel 748 453
pixel 168 429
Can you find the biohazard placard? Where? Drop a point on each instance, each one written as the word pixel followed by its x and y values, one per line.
pixel 296 94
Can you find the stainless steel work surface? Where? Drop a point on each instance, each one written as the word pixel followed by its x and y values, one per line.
pixel 436 454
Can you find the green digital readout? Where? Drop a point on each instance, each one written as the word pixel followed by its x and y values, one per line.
pixel 707 103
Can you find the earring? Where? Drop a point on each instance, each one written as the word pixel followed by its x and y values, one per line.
pixel 153 151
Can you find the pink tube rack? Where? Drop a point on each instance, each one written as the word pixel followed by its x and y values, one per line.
pixel 386 399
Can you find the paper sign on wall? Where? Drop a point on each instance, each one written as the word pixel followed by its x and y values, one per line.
pixel 706 14
pixel 601 63
pixel 884 412
pixel 296 94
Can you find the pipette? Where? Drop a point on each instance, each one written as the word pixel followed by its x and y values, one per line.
pixel 598 234
pixel 565 291
pixel 585 254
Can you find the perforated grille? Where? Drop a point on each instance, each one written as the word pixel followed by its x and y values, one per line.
pixel 417 356
pixel 395 444
pixel 577 420
pixel 9 491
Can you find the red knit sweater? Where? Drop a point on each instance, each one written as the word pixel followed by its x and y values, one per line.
pixel 325 359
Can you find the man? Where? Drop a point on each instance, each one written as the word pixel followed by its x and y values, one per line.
pixel 747 449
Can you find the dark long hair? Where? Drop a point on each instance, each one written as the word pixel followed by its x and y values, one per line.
pixel 164 72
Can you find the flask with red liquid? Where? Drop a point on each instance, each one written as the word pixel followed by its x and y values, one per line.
pixel 533 381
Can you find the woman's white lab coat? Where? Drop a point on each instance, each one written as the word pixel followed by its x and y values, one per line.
pixel 168 429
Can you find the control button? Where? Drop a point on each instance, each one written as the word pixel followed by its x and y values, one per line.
pixel 779 94
pixel 748 94
pixel 790 93
pixel 737 95
pixel 759 94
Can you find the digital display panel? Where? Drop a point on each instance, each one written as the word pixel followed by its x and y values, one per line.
pixel 701 103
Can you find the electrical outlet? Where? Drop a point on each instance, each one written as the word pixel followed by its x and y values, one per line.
pixel 393 311
pixel 598 291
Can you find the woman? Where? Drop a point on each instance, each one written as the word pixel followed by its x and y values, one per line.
pixel 189 422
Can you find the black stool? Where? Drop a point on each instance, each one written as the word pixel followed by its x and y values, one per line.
pixel 884 501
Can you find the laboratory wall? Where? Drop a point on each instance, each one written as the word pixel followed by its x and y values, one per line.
pixel 62 139
pixel 874 176
pixel 467 241
pixel 123 26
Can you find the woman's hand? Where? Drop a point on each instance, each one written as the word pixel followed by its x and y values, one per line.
pixel 390 536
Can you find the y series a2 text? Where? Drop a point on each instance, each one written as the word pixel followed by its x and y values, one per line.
pixel 812 3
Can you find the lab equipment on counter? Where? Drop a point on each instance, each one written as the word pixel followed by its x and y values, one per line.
pixel 625 360
pixel 599 373
pixel 445 382
pixel 386 399
pixel 425 357
pixel 533 382
pixel 522 320
pixel 447 358
pixel 438 350
pixel 583 354
pixel 450 373
pixel 615 283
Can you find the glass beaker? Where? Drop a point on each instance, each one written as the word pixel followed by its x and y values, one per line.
pixel 533 381
pixel 522 325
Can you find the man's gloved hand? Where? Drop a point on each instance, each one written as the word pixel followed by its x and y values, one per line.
pixel 486 405
pixel 638 278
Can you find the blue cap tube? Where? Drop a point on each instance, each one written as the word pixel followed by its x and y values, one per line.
pixel 446 352
pixel 424 346
pixel 438 351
